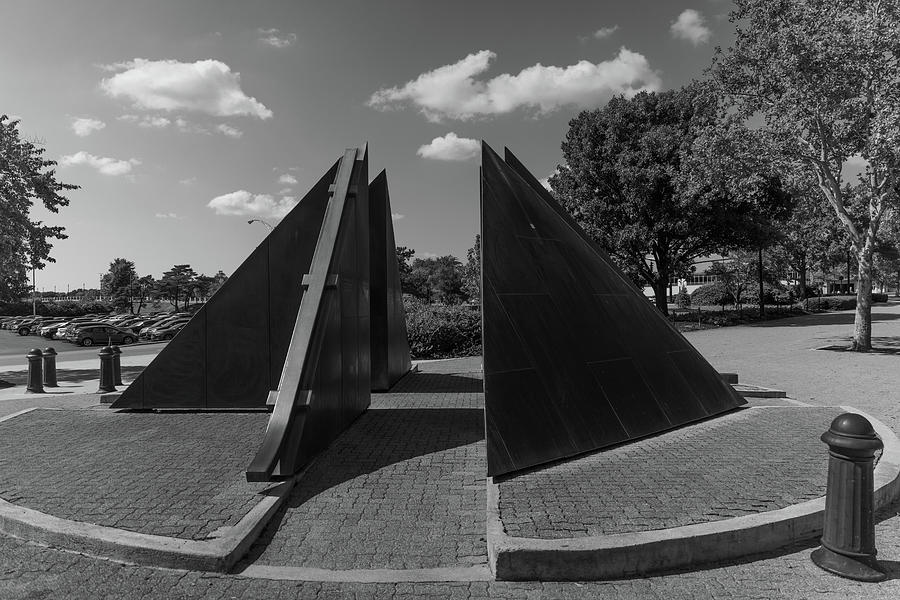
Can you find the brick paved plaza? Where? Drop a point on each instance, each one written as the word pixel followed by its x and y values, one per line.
pixel 404 487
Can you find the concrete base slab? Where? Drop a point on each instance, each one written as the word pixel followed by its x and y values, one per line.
pixel 756 391
pixel 641 553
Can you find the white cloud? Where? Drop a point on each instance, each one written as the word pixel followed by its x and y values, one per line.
pixel 147 121
pixel 207 86
pixel 188 181
pixel 450 147
pixel 84 126
pixel 690 26
pixel 104 165
pixel 170 215
pixel 427 255
pixel 284 191
pixel 276 39
pixel 452 90
pixel 396 216
pixel 232 132
pixel 605 32
pixel 244 203
pixel 287 179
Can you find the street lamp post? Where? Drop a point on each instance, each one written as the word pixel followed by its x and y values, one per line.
pixel 266 223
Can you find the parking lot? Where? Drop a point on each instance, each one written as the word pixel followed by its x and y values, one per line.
pixel 14 347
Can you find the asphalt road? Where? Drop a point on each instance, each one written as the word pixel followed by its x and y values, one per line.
pixel 14 347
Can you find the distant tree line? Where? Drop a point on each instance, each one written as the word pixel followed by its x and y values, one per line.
pixel 177 286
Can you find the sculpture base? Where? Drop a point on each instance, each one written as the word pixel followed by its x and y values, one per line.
pixel 860 569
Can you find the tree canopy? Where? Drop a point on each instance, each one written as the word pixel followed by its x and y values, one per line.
pixel 25 178
pixel 823 79
pixel 662 178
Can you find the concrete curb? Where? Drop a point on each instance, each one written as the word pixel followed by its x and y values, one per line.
pixel 217 554
pixel 440 574
pixel 641 553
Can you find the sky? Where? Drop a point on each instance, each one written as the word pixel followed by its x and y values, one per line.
pixel 182 120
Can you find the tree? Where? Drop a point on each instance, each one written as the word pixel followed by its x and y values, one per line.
pixel 119 283
pixel 25 177
pixel 472 271
pixel 662 178
pixel 824 79
pixel 206 286
pixel 176 284
pixel 414 284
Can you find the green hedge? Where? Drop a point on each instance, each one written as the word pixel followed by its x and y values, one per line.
pixel 832 303
pixel 55 309
pixel 442 331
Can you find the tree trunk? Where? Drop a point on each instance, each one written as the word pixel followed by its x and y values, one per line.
pixel 661 293
pixel 862 324
pixel 803 276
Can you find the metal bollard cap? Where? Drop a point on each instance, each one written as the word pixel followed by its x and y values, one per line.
pixel 105 351
pixel 852 432
pixel 116 349
pixel 49 352
pixel 34 353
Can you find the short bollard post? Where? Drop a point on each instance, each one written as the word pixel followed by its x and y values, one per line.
pixel 35 372
pixel 117 365
pixel 106 371
pixel 848 536
pixel 50 367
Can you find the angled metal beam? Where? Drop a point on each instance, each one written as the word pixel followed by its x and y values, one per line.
pixel 289 400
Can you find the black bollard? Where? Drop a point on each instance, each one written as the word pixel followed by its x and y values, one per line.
pixel 107 382
pixel 848 536
pixel 50 367
pixel 117 365
pixel 35 372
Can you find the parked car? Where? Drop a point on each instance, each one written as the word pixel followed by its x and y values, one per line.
pixel 24 327
pixel 64 333
pixel 90 335
pixel 147 332
pixel 167 332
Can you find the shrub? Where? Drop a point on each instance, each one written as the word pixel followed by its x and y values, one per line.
pixel 55 309
pixel 711 294
pixel 832 303
pixel 439 331
pixel 683 299
pixel 772 294
pixel 876 297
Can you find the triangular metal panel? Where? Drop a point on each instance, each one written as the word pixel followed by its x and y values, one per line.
pixel 231 353
pixel 390 344
pixel 575 358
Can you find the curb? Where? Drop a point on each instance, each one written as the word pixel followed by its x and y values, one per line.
pixel 217 554
pixel 623 555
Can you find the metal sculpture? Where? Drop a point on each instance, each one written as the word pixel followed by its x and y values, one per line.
pixel 390 349
pixel 290 330
pixel 231 353
pixel 575 358
pixel 325 382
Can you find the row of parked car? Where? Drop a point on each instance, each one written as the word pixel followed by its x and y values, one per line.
pixel 91 330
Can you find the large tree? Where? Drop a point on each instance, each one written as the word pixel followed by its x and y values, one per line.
pixel 823 78
pixel 176 285
pixel 119 283
pixel 662 178
pixel 25 178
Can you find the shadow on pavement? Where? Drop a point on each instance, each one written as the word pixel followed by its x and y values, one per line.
pixel 438 383
pixel 842 318
pixel 880 345
pixel 13 378
pixel 379 438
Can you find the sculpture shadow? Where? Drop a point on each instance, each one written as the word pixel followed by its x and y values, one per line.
pixel 438 383
pixel 378 439
pixel 837 318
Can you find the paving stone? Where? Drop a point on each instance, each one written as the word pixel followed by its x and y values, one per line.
pixel 748 461
pixel 177 474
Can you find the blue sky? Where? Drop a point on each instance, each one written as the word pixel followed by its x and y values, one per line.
pixel 181 120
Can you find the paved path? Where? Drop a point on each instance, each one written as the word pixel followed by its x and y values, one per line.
pixel 745 462
pixel 777 355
